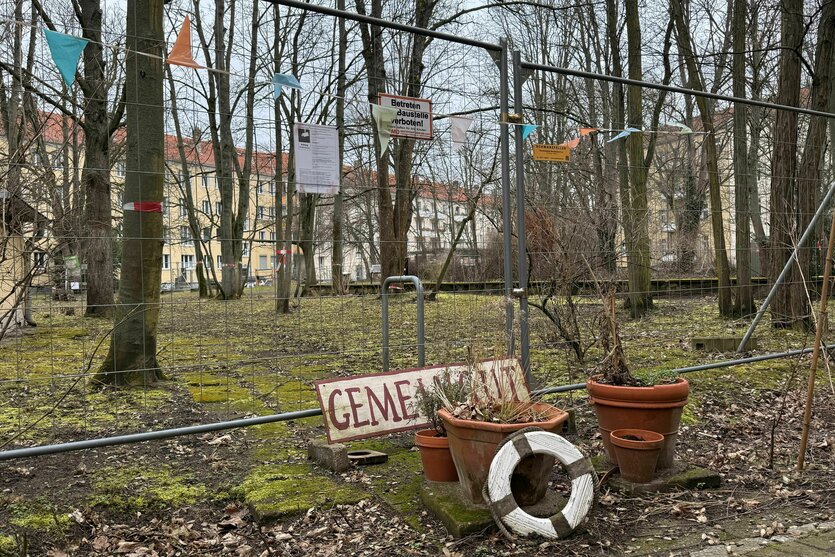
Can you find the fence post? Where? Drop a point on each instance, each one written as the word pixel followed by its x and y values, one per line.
pixel 421 346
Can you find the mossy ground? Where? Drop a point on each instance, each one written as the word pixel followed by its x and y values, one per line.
pixel 238 358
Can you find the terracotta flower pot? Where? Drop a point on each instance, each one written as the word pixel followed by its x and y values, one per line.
pixel 473 445
pixel 638 452
pixel 657 408
pixel 435 456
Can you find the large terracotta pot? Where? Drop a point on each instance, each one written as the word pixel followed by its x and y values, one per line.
pixel 473 445
pixel 435 456
pixel 657 408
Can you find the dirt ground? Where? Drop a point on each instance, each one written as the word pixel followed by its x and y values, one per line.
pixel 196 495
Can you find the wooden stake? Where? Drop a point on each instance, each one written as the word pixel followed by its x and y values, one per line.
pixel 821 326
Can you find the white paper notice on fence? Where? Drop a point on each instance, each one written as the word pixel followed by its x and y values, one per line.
pixel 317 158
pixel 372 405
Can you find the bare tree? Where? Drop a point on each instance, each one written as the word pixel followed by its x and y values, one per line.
pixel 132 358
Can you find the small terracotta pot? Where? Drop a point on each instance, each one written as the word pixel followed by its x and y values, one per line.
pixel 638 452
pixel 435 456
pixel 657 408
pixel 473 445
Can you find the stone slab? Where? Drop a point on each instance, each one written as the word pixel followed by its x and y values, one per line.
pixel 447 502
pixel 334 456
pixel 680 476
pixel 720 343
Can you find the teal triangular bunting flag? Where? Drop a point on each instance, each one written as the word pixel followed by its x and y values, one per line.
pixel 528 129
pixel 284 80
pixel 65 50
pixel 624 133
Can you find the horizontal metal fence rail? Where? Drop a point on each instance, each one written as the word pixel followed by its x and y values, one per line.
pixel 42 450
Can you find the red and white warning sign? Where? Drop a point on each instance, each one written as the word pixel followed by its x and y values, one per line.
pixel 414 116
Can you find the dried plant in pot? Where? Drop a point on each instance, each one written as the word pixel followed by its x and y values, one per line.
pixel 484 415
pixel 433 443
pixel 620 400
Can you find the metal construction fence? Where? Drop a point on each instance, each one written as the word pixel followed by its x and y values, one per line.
pixel 238 362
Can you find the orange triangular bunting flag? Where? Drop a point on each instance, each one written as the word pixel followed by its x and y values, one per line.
pixel 586 131
pixel 571 144
pixel 181 52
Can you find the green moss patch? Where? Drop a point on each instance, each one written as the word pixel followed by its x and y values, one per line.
pixel 273 491
pixel 39 515
pixel 129 488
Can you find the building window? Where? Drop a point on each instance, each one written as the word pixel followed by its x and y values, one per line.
pixel 39 259
pixel 207 261
pixel 166 235
pixel 183 208
pixel 207 207
pixel 217 235
pixel 120 169
pixel 219 263
pixel 245 249
pixel 207 234
pixel 457 209
pixel 218 208
pixel 262 262
pixel 186 261
pixel 165 205
pixel 185 234
pixel 166 261
pixel 272 236
pixel 260 187
pixel 262 235
pixel 272 188
pixel 205 181
pixel 259 212
pixel 246 224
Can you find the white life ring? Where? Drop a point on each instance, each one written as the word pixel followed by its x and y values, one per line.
pixel 500 498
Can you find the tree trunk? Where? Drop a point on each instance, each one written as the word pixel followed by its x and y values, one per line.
pixel 638 265
pixel 395 215
pixel 338 284
pixel 744 302
pixel 784 162
pixel 808 174
pixel 756 125
pixel 712 161
pixel 204 291
pixel 132 359
pixel 95 177
pixel 307 221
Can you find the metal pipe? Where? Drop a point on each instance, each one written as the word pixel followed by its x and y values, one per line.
pixel 299 414
pixel 507 239
pixel 691 369
pixel 521 240
pixel 786 268
pixel 386 23
pixel 155 435
pixel 673 89
pixel 420 325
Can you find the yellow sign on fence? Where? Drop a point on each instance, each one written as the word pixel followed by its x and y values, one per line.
pixel 551 153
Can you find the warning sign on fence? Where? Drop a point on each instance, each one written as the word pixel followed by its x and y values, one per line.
pixel 551 153
pixel 414 116
pixel 382 403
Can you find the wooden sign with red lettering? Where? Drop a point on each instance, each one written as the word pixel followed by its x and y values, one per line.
pixel 378 404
